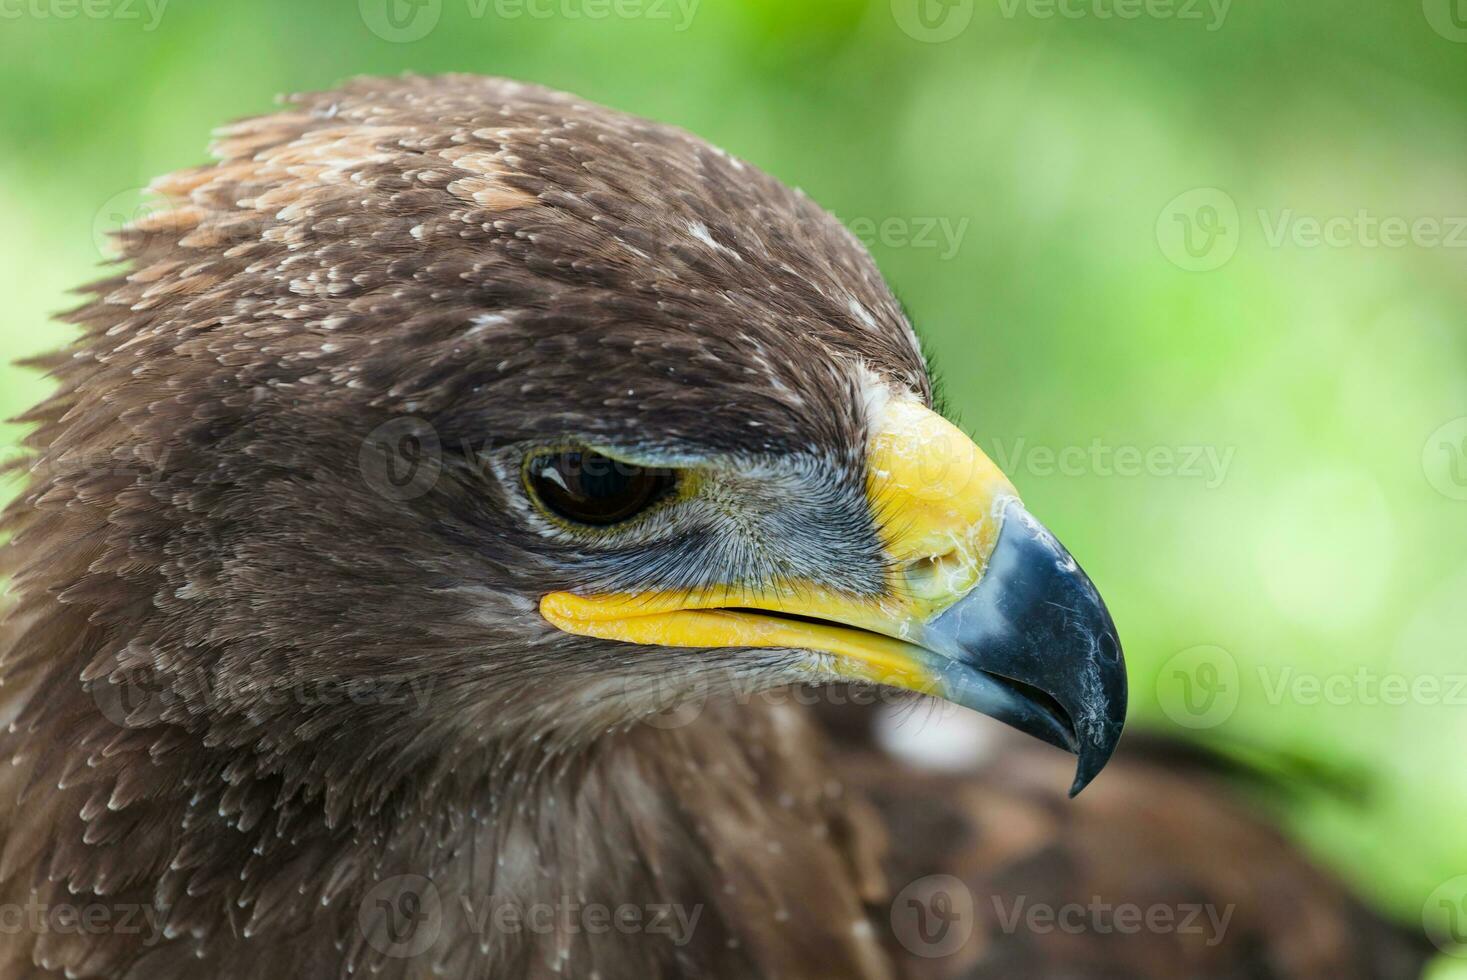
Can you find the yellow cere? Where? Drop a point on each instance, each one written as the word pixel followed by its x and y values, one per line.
pixel 938 501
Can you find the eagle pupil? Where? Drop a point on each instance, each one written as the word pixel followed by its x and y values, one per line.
pixel 589 488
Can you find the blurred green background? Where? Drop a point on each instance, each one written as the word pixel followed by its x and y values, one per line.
pixel 1193 273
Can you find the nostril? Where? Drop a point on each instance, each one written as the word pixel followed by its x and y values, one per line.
pixel 921 567
pixel 926 569
pixel 936 575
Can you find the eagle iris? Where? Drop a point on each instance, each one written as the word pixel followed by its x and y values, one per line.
pixel 586 487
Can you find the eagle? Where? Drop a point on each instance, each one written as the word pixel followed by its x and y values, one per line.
pixel 471 535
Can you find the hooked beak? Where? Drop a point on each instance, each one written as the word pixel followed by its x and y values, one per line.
pixel 985 608
pixel 1036 624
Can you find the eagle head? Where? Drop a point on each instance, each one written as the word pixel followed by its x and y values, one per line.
pixel 468 389
pixel 447 426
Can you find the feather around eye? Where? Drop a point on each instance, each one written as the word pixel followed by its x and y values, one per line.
pixel 583 487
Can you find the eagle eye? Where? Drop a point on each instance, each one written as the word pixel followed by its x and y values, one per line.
pixel 585 487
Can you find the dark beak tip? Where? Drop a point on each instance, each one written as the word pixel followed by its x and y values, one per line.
pixel 1082 779
pixel 1093 757
pixel 1103 735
